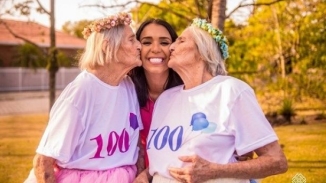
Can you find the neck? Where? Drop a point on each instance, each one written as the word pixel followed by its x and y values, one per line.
pixel 195 76
pixel 156 84
pixel 110 74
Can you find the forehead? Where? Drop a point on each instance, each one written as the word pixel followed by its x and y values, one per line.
pixel 127 31
pixel 186 34
pixel 155 30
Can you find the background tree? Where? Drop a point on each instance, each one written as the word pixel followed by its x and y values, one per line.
pixel 217 13
pixel 29 56
pixel 255 48
pixel 75 28
pixel 24 8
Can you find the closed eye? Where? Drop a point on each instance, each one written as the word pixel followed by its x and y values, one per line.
pixel 146 43
pixel 165 43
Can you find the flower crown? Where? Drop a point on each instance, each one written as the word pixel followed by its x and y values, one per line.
pixel 107 23
pixel 215 33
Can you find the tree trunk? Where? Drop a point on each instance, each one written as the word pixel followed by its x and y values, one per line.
pixel 53 64
pixel 279 42
pixel 218 13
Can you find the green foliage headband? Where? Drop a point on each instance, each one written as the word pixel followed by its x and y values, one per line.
pixel 216 34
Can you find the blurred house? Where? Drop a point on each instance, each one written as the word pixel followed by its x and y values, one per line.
pixel 37 34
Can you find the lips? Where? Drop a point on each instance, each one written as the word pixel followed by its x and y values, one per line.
pixel 156 60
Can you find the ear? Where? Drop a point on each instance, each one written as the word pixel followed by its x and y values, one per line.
pixel 104 46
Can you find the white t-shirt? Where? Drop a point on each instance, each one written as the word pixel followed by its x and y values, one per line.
pixel 214 120
pixel 93 126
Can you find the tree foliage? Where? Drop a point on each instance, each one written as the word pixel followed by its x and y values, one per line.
pixel 75 28
pixel 178 13
pixel 24 8
pixel 290 30
pixel 30 56
pixel 27 55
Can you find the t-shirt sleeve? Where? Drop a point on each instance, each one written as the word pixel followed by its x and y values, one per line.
pixel 62 134
pixel 249 124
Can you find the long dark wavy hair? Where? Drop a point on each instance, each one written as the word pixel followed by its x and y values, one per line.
pixel 137 74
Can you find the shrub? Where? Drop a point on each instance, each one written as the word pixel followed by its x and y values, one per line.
pixel 287 110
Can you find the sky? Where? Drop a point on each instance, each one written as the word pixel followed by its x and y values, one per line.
pixel 70 10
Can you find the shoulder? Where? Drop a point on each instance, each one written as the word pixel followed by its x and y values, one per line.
pixel 170 94
pixel 79 87
pixel 172 91
pixel 127 82
pixel 232 84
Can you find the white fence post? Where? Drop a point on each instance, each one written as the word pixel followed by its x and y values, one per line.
pixel 24 79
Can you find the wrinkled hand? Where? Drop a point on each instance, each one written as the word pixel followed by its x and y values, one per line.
pixel 194 173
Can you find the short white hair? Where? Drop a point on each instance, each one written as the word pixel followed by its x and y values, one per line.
pixel 93 55
pixel 209 50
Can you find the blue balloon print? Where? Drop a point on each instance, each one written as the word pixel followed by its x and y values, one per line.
pixel 211 128
pixel 133 121
pixel 197 115
pixel 199 124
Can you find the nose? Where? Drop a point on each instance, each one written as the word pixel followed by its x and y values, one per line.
pixel 138 45
pixel 155 48
pixel 172 47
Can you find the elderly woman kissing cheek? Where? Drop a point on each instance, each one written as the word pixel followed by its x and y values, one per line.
pixel 200 127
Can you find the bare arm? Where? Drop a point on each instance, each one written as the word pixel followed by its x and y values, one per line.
pixel 44 169
pixel 143 177
pixel 141 158
pixel 270 161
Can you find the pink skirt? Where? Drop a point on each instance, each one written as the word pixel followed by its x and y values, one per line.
pixel 125 174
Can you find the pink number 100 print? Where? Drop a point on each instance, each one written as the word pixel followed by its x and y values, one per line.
pixel 114 140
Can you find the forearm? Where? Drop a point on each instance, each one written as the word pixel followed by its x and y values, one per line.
pixel 270 161
pixel 44 169
pixel 141 158
pixel 255 168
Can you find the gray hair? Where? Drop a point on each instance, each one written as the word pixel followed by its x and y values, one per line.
pixel 209 50
pixel 93 55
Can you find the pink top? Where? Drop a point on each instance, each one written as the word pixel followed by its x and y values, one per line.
pixel 146 113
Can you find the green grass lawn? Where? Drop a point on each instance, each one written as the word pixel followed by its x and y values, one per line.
pixel 304 146
pixel 19 137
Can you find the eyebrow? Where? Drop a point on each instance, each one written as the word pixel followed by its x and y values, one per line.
pixel 149 37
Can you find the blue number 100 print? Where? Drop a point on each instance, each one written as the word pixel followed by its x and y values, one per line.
pixel 163 136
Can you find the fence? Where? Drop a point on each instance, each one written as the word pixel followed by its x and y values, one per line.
pixel 24 79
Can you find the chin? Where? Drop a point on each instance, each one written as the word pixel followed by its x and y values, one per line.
pixel 170 65
pixel 139 63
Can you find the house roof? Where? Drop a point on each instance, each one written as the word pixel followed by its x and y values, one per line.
pixel 36 33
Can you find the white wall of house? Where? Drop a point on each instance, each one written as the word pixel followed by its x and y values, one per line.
pixel 24 79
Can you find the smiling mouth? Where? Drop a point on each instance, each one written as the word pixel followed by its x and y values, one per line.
pixel 156 60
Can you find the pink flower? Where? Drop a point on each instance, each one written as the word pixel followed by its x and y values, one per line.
pixel 107 23
pixel 98 27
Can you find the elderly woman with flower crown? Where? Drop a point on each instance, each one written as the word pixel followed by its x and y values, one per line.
pixel 199 128
pixel 93 129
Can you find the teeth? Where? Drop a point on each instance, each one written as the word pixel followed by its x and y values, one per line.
pixel 156 60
